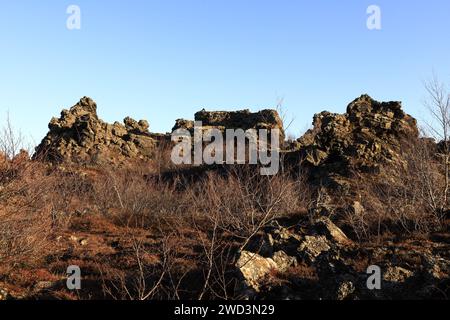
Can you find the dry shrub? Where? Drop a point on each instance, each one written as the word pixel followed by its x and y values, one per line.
pixel 146 277
pixel 217 215
pixel 25 215
pixel 407 200
pixel 243 198
pixel 229 211
pixel 24 236
pixel 68 191
pixel 130 198
pixel 245 201
pixel 419 203
pixel 162 161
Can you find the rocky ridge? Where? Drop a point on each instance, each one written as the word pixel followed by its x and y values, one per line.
pixel 367 137
pixel 80 136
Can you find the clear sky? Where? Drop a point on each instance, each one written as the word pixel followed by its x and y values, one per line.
pixel 166 59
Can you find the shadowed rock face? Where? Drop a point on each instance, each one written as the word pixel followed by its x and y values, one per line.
pixel 243 119
pixel 80 136
pixel 369 135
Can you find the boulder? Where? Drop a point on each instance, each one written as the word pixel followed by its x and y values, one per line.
pixel 313 246
pixel 283 261
pixel 253 268
pixel 134 126
pixel 80 136
pixel 344 290
pixel 327 228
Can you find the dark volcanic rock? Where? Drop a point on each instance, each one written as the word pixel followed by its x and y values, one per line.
pixel 338 268
pixel 183 124
pixel 364 139
pixel 80 136
pixel 244 119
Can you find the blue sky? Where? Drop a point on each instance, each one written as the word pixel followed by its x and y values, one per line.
pixel 164 59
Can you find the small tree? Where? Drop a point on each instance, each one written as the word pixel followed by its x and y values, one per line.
pixel 438 104
pixel 11 142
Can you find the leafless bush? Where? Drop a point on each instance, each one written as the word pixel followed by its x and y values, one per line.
pixel 245 202
pixel 146 279
pixel 25 216
pixel 222 212
pixel 161 161
pixel 359 223
pixel 11 140
pixel 229 211
pixel 404 201
pixel 25 206
pixel 23 236
pixel 68 192
pixel 438 105
pixel 216 260
pixel 129 197
pixel 427 183
pixel 12 155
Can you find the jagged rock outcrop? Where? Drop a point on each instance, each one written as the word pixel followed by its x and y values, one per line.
pixel 243 119
pixel 367 137
pixel 183 124
pixel 79 135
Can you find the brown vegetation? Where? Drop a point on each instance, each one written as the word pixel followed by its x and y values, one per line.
pixel 152 231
